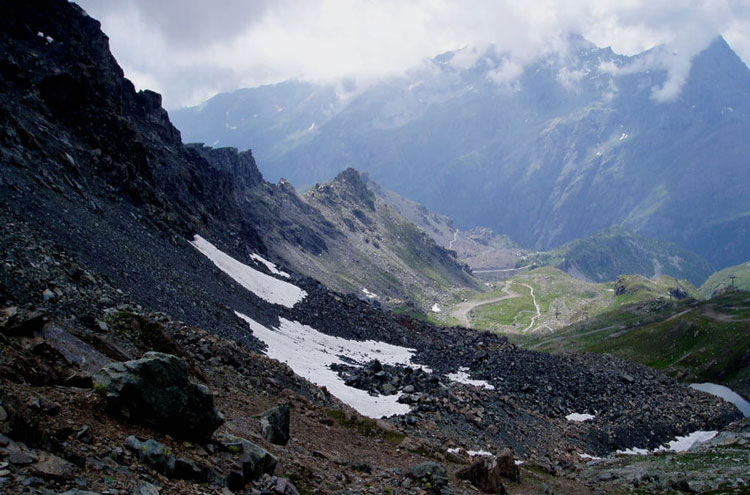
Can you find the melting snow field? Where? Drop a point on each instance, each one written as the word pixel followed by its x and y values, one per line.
pixel 264 286
pixel 679 444
pixel 310 353
pixel 271 267
pixel 579 417
pixel 368 294
pixel 462 376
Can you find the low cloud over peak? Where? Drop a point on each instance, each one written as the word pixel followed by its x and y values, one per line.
pixel 189 49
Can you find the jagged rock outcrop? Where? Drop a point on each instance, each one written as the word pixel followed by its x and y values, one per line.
pixel 155 391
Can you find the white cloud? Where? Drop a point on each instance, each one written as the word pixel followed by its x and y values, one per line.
pixel 191 49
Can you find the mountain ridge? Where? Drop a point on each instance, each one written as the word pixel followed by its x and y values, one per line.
pixel 577 146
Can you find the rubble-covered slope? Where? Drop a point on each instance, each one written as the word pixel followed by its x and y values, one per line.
pixel 116 239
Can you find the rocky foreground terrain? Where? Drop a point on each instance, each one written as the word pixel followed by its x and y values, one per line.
pixel 124 367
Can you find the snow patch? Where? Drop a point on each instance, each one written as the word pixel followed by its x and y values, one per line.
pixel 310 354
pixel 436 308
pixel 579 417
pixel 271 267
pixel 480 453
pixel 462 376
pixel 264 286
pixel 414 85
pixel 589 457
pixel 679 444
pixel 368 294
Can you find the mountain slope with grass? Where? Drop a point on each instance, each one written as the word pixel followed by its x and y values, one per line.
pixel 695 341
pixel 737 276
pixel 606 255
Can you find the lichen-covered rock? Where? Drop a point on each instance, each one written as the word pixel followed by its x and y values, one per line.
pixel 431 476
pixel 254 460
pixel 155 391
pixel 275 425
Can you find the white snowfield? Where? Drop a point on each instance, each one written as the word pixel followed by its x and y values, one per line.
pixel 436 308
pixel 310 353
pixel 264 286
pixel 579 417
pixel 271 267
pixel 679 444
pixel 462 376
pixel 368 294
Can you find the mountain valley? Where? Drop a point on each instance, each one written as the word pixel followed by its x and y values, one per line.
pixel 171 322
pixel 578 144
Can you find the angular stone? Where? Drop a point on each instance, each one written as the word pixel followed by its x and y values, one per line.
pixel 506 465
pixel 20 458
pixel 484 474
pixel 52 467
pixel 275 425
pixel 154 454
pixel 155 391
pixel 74 350
pixel 145 489
pixel 431 476
pixel 256 461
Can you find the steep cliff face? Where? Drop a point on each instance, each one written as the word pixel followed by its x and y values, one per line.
pixel 79 126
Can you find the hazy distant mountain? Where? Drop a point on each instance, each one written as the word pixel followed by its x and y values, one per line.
pixel 573 146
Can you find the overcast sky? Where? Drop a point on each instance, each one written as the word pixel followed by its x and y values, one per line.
pixel 189 50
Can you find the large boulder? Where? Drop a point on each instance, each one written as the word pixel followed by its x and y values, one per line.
pixel 431 477
pixel 275 425
pixel 155 391
pixel 485 475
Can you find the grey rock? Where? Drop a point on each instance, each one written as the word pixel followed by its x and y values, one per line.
pixel 625 377
pixel 146 489
pixel 74 350
pixel 76 491
pixel 155 391
pixel 20 458
pixel 3 414
pixel 256 461
pixel 50 466
pixel 275 425
pixel 48 295
pixel 431 476
pixel 506 465
pixel 84 434
pixel 155 455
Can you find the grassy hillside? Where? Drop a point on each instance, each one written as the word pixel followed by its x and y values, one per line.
pixel 723 279
pixel 695 341
pixel 635 288
pixel 606 255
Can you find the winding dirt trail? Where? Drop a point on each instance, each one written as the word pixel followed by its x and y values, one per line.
pixel 536 306
pixel 461 311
